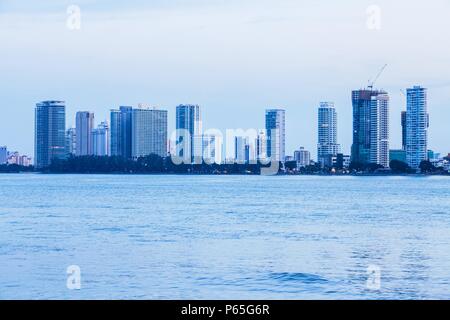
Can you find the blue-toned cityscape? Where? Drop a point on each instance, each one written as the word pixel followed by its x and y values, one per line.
pixel 134 133
pixel 216 150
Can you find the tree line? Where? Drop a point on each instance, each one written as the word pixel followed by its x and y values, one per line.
pixel 144 165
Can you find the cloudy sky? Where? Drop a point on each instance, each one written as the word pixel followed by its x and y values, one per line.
pixel 235 58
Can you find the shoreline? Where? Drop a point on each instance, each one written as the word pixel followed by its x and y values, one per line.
pixel 415 175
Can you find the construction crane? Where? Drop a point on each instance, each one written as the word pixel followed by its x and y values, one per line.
pixel 372 83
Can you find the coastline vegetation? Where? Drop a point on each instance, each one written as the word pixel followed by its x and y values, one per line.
pixel 154 164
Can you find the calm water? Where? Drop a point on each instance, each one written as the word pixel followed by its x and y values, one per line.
pixel 224 237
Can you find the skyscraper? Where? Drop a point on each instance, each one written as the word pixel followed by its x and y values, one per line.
pixel 212 148
pixel 379 132
pixel 71 141
pixel 327 146
pixel 417 123
pixel 149 132
pixel 50 128
pixel 121 132
pixel 261 146
pixel 243 150
pixel 404 130
pixel 3 155
pixel 370 127
pixel 276 134
pixel 189 132
pixel 84 127
pixel 100 140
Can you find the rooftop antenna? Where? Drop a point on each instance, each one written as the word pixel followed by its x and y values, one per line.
pixel 372 83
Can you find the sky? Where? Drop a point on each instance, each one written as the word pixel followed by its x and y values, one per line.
pixel 234 58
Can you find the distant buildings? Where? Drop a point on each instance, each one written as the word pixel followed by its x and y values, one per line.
pixel 243 150
pixel 212 149
pixel 100 140
pixel 404 130
pixel 261 146
pixel 18 159
pixel 149 132
pixel 121 132
pixel 137 132
pixel 341 161
pixel 3 155
pixel 50 129
pixel 379 133
pixel 303 157
pixel 417 123
pixel 327 129
pixel 71 141
pixel 276 134
pixel 84 127
pixel 9 158
pixel 189 133
pixel 370 127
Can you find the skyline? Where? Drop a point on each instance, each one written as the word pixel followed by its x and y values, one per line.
pixel 86 128
pixel 143 131
pixel 230 58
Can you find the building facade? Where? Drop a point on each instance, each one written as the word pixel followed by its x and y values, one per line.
pixel 276 134
pixel 189 133
pixel 84 126
pixel 50 131
pixel 379 130
pixel 149 132
pixel 261 146
pixel 327 146
pixel 417 123
pixel 403 130
pixel 120 132
pixel 3 155
pixel 71 142
pixel 100 140
pixel 244 151
pixel 212 149
pixel 303 157
pixel 370 127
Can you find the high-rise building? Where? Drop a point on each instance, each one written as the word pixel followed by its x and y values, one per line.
pixel 370 127
pixel 120 137
pixel 261 146
pixel 404 130
pixel 327 128
pixel 417 123
pixel 100 140
pixel 379 132
pixel 276 134
pixel 189 132
pixel 3 155
pixel 84 127
pixel 149 132
pixel 303 157
pixel 50 131
pixel 212 149
pixel 243 150
pixel 71 141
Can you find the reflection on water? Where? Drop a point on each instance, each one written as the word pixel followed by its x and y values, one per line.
pixel 224 237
